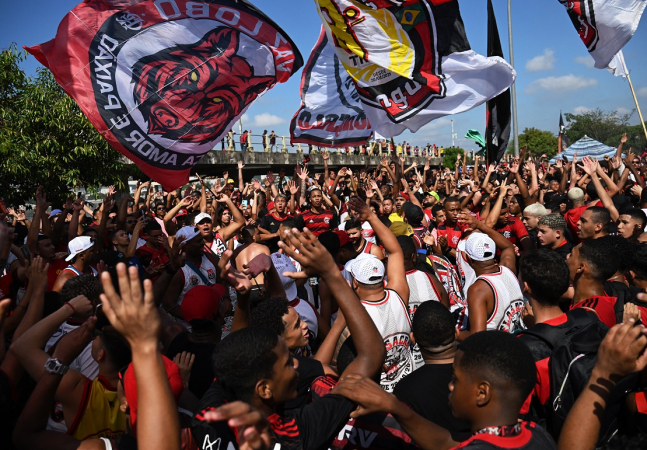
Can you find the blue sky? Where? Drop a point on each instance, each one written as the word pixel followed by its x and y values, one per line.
pixel 554 71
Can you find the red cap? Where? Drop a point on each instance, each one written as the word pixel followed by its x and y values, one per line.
pixel 343 237
pixel 182 212
pixel 402 194
pixel 270 206
pixel 130 386
pixel 202 302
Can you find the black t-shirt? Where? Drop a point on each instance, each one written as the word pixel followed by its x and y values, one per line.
pixel 426 391
pixel 532 437
pixel 272 223
pixel 309 369
pixel 310 427
pixel 378 431
pixel 202 371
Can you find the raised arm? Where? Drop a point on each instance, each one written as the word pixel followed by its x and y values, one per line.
pixel 507 257
pixel 237 219
pixel 395 265
pixel 133 314
pixel 621 353
pixel 34 229
pixel 316 260
pixel 590 166
pixel 495 212
pixel 241 182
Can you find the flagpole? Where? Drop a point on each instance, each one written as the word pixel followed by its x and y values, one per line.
pixel 513 90
pixel 631 86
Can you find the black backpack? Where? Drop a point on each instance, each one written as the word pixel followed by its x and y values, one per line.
pixel 572 352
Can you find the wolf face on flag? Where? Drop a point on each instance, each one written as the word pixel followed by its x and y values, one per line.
pixel 411 61
pixel 604 26
pixel 164 81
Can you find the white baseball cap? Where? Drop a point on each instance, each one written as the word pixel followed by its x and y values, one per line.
pixel 367 269
pixel 282 263
pixel 187 233
pixel 480 247
pixel 78 245
pixel 200 217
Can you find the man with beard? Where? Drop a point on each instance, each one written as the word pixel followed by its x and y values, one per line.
pixel 216 242
pixel 270 223
pixel 316 219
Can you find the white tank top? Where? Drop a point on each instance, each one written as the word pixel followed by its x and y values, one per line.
pixel 191 279
pixel 391 317
pixel 421 290
pixel 508 301
pixel 465 271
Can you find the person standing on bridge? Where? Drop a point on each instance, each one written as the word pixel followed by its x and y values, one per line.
pixel 272 140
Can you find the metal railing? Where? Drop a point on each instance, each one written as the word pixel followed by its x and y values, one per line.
pixel 258 142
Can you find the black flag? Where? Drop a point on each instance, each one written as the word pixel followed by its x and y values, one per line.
pixel 498 109
pixel 562 133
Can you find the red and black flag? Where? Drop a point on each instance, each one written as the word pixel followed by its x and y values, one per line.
pixel 163 81
pixel 604 26
pixel 498 109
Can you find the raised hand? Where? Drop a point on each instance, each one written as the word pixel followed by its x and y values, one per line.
pixel 303 174
pixel 514 167
pixel 325 156
pixel 253 427
pixel 176 255
pixel 623 139
pixel 259 264
pixel 240 164
pixel 41 198
pixel 239 280
pixel 270 177
pixel 589 165
pixel 305 248
pixel 468 219
pixel 81 305
pixel 622 351
pixel 187 201
pixel 184 361
pixel 133 313
pixel 256 184
pixel 225 175
pixel 38 272
pixel 292 186
pixel 361 208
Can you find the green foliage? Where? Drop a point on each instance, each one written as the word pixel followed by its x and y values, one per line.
pixel 46 140
pixel 450 156
pixel 538 142
pixel 605 127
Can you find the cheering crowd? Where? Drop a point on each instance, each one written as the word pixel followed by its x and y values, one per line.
pixel 390 307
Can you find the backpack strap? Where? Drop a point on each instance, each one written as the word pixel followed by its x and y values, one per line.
pixel 199 273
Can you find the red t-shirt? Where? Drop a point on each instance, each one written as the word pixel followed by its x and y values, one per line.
pixel 513 230
pixel 453 235
pixel 603 306
pixel 572 216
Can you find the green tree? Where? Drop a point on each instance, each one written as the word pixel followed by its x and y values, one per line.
pixel 450 156
pixel 538 142
pixel 46 140
pixel 597 124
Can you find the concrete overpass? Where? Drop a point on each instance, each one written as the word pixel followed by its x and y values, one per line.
pixel 216 162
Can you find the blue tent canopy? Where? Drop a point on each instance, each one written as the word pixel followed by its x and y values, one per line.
pixel 587 147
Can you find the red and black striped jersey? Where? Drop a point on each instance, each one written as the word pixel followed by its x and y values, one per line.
pixel 376 431
pixel 316 223
pixel 310 427
pixel 605 307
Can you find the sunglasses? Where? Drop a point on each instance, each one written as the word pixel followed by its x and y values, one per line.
pixel 131 221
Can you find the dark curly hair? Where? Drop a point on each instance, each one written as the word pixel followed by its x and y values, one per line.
pixel 269 314
pixel 242 359
pixel 86 284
